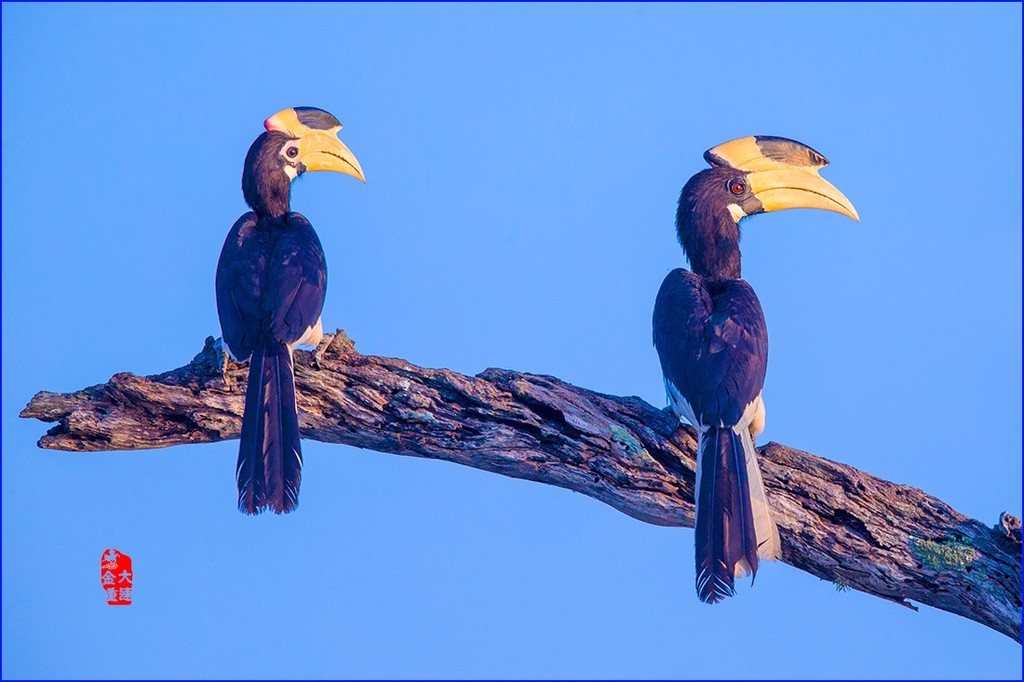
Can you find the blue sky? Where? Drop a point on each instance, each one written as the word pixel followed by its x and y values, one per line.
pixel 523 164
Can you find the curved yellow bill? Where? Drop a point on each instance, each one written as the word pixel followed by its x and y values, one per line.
pixel 781 188
pixel 322 151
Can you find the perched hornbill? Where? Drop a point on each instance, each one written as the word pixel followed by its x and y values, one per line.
pixel 712 341
pixel 271 281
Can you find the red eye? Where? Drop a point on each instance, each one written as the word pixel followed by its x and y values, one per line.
pixel 736 187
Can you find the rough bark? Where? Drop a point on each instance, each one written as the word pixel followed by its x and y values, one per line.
pixel 837 523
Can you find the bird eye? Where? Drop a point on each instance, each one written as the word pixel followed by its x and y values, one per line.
pixel 736 187
pixel 292 152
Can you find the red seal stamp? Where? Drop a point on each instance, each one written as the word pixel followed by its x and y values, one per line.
pixel 116 577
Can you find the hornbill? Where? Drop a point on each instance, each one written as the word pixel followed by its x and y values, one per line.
pixel 712 341
pixel 271 282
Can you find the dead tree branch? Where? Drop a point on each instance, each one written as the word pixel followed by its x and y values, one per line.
pixel 837 523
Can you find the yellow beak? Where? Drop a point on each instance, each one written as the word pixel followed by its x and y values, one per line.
pixel 322 151
pixel 792 187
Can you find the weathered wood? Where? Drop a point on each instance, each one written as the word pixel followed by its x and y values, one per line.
pixel 836 522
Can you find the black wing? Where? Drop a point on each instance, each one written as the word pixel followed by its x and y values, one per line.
pixel 240 286
pixel 297 281
pixel 712 341
pixel 271 280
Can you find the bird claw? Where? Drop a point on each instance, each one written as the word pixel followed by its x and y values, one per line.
pixel 321 348
pixel 222 358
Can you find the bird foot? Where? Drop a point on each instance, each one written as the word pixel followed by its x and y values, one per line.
pixel 223 358
pixel 321 348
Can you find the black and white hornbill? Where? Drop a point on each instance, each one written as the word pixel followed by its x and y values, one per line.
pixel 712 341
pixel 271 282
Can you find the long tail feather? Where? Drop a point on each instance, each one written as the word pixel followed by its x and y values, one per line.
pixel 727 526
pixel 269 457
pixel 252 498
pixel 769 545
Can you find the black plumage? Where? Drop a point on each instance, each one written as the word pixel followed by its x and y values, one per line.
pixel 725 534
pixel 271 284
pixel 712 341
